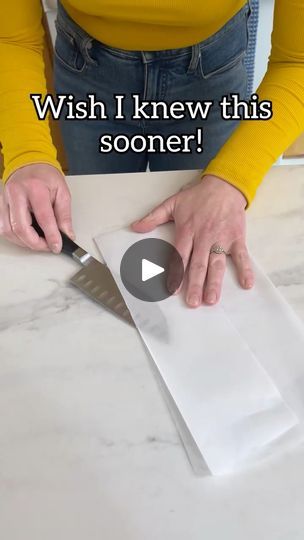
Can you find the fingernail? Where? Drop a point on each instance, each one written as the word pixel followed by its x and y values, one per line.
pixel 194 300
pixel 211 297
pixel 72 235
pixel 248 283
pixel 55 248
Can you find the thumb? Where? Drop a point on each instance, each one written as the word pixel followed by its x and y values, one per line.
pixel 63 212
pixel 159 215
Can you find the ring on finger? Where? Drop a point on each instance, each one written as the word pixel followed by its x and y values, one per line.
pixel 218 249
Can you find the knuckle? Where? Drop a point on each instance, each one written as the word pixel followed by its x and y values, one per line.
pixel 42 216
pixel 64 217
pixel 17 228
pixel 195 288
pixel 150 216
pixel 248 272
pixel 66 196
pixel 45 217
pixel 198 267
pixel 218 263
pixel 242 255
pixel 52 238
pixel 214 284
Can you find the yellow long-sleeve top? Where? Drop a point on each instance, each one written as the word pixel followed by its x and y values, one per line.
pixel 153 25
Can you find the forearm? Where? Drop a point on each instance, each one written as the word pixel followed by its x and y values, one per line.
pixel 24 138
pixel 256 145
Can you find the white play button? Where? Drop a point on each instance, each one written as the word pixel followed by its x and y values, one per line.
pixel 150 270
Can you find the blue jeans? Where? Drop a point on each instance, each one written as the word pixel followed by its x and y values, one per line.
pixel 203 71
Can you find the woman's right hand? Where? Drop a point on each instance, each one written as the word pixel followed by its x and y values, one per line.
pixel 39 188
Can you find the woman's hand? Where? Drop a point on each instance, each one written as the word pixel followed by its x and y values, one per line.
pixel 41 189
pixel 212 212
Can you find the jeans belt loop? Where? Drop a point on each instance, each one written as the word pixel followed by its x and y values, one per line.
pixel 195 56
pixel 86 46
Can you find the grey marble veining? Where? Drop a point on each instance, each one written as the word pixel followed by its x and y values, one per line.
pixel 87 446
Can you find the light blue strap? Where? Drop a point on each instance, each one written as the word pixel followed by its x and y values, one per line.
pixel 251 49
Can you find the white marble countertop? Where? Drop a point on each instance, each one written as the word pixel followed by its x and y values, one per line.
pixel 87 447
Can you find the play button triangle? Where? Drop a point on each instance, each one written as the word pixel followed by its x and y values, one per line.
pixel 150 269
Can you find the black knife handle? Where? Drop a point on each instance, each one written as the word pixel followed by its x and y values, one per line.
pixel 68 246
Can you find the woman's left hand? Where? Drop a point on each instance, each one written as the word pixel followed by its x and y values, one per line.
pixel 211 212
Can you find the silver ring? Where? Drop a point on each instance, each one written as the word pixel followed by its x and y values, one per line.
pixel 219 250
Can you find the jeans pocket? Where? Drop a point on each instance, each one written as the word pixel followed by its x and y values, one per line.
pixel 226 49
pixel 67 50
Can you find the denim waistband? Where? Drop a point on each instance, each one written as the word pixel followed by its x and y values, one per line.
pixel 148 56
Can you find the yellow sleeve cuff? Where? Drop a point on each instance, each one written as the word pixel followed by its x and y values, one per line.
pixel 247 188
pixel 29 158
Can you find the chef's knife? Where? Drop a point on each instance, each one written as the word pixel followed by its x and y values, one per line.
pixel 94 279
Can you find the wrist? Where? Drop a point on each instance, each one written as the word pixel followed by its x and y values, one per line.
pixel 217 182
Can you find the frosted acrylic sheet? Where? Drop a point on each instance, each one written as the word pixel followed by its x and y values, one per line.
pixel 226 398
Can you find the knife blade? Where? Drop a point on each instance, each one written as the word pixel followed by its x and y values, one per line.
pixel 94 279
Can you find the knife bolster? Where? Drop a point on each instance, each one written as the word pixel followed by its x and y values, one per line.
pixel 81 256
